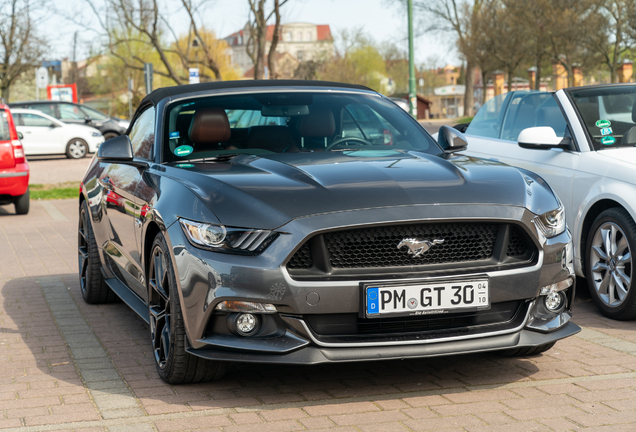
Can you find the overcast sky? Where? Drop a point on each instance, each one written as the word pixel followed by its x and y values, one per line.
pixel 383 20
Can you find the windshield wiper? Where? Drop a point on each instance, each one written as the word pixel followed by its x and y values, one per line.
pixel 218 158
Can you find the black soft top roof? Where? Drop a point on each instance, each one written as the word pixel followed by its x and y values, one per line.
pixel 164 92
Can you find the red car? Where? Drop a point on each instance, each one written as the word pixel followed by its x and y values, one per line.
pixel 14 170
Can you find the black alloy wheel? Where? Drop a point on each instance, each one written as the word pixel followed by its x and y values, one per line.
pixel 94 289
pixel 167 329
pixel 159 307
pixel 609 264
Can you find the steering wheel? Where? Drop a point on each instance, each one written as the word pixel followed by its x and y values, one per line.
pixel 344 139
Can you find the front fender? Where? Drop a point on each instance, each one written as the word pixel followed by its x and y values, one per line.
pixel 602 189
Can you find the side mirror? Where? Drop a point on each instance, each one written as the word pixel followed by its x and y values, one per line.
pixel 541 138
pixel 20 135
pixel 118 149
pixel 87 119
pixel 451 140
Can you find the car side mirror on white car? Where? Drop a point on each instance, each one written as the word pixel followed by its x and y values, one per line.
pixel 542 138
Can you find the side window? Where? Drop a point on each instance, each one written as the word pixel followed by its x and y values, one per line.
pixel 48 109
pixel 36 120
pixel 70 112
pixel 549 114
pixel 142 134
pixel 487 121
pixel 523 111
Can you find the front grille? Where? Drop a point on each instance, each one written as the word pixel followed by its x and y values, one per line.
pixel 499 316
pixel 301 259
pixel 368 252
pixel 377 246
pixel 517 242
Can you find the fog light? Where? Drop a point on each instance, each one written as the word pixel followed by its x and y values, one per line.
pixel 554 301
pixel 246 324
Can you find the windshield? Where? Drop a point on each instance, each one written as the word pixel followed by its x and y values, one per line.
pixel 263 123
pixel 609 115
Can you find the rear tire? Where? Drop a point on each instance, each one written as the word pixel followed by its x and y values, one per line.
pixel 94 289
pixel 167 329
pixel 526 351
pixel 76 148
pixel 22 203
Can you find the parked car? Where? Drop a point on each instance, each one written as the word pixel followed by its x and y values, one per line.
pixel 14 169
pixel 581 141
pixel 42 134
pixel 73 113
pixel 290 243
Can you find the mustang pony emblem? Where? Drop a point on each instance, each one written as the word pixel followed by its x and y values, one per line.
pixel 417 247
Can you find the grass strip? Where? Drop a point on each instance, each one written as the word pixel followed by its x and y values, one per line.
pixel 54 191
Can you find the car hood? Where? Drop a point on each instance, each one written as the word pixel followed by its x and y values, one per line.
pixel 268 191
pixel 624 154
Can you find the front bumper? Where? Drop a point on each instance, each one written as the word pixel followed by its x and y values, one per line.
pixel 206 278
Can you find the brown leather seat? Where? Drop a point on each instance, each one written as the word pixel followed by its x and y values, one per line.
pixel 209 128
pixel 320 123
pixel 273 138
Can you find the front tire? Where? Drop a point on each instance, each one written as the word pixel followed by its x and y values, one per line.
pixel 94 289
pixel 609 265
pixel 22 203
pixel 109 135
pixel 167 329
pixel 76 148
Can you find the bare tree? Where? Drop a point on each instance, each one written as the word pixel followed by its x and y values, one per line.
pixel 612 42
pixel 21 47
pixel 208 51
pixel 458 17
pixel 257 40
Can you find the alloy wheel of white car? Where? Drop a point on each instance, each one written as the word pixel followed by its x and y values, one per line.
pixel 610 263
pixel 76 148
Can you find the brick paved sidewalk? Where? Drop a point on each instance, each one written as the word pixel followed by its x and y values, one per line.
pixel 66 365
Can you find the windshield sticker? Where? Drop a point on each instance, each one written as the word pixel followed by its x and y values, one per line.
pixel 185 166
pixel 608 140
pixel 183 150
pixel 603 123
pixel 606 131
pixel 174 134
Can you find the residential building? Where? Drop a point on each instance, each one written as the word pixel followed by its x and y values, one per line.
pixel 303 41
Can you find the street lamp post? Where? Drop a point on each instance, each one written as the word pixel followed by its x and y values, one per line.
pixel 412 95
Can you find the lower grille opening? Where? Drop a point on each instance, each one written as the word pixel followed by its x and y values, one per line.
pixel 500 315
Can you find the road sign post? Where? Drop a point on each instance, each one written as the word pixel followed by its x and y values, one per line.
pixel 194 76
pixel 41 80
pixel 148 77
pixel 412 95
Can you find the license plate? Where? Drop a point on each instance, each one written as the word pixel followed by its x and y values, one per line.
pixel 421 299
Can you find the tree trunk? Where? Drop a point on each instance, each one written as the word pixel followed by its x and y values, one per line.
pixel 468 95
pixel 271 56
pixel 6 93
pixel 484 79
pixel 510 76
pixel 537 76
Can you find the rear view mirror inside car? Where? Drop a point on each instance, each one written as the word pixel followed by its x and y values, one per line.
pixel 284 111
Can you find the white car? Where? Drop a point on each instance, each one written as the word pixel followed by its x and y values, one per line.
pixel 42 134
pixel 581 141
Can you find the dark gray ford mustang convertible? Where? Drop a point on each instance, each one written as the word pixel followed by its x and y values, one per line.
pixel 308 222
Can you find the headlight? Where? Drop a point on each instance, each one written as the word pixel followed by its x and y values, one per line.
pixel 96 134
pixel 551 223
pixel 226 239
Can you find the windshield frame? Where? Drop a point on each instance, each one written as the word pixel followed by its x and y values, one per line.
pixel 588 136
pixel 165 106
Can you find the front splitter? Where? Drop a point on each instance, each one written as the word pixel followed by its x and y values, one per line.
pixel 309 355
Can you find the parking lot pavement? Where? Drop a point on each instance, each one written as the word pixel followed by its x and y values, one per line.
pixel 67 365
pixel 57 169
